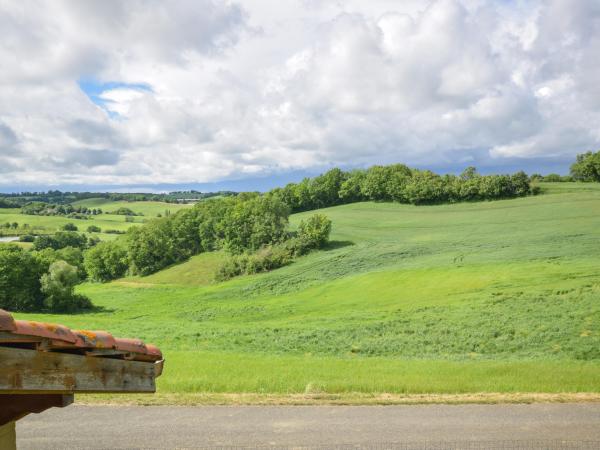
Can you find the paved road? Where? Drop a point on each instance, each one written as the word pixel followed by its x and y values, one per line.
pixel 467 426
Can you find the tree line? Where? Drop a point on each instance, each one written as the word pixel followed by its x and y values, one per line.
pixel 402 184
pixel 53 209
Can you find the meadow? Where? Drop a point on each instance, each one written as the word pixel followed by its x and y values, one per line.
pixel 497 297
pixel 51 224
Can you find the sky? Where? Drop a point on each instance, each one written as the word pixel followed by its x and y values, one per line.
pixel 248 94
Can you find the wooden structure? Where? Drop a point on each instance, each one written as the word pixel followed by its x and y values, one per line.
pixel 43 365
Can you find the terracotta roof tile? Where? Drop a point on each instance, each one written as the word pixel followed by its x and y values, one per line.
pixel 49 337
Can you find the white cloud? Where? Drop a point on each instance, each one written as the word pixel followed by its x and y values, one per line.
pixel 260 86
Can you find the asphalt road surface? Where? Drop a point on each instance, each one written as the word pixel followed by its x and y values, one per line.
pixel 432 427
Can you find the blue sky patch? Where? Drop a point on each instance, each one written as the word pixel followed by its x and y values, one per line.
pixel 94 89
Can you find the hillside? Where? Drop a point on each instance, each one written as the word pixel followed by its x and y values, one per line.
pixel 50 224
pixel 495 296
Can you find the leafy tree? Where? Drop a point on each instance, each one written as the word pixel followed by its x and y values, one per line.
pixel 94 229
pixel 20 274
pixel 586 167
pixel 60 240
pixel 106 261
pixel 314 231
pixel 71 255
pixel 423 187
pixel 374 186
pixel 58 286
pixel 149 247
pixel 325 189
pixel 69 227
pixel 351 189
pixel 253 223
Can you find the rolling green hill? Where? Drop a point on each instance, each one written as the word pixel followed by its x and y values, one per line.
pixel 51 224
pixel 499 296
pixel 147 208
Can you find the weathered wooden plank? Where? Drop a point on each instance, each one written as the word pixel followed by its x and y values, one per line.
pixel 30 371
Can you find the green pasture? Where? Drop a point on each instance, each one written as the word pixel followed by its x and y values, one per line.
pixel 147 208
pixel 51 224
pixel 499 296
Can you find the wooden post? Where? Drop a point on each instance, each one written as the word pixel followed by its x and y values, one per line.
pixel 8 436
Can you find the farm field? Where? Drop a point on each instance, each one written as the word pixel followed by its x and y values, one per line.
pixel 51 224
pixel 486 297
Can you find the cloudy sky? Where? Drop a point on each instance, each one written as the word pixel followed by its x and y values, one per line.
pixel 185 93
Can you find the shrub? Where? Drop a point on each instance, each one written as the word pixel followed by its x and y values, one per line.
pixel 60 240
pixel 58 286
pixel 314 232
pixel 94 229
pixel 26 238
pixel 586 167
pixel 20 274
pixel 124 212
pixel 106 261
pixel 110 231
pixel 69 227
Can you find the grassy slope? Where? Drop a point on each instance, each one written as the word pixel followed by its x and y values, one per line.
pixel 481 297
pixel 50 224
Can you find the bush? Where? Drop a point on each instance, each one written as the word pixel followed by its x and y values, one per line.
pixel 93 229
pixel 124 212
pixel 106 261
pixel 69 227
pixel 586 167
pixel 60 240
pixel 314 232
pixel 20 274
pixel 71 255
pixel 58 286
pixel 110 231
pixel 26 238
pixel 265 259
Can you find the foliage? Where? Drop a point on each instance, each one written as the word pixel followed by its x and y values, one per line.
pixel 58 286
pixel 71 255
pixel 124 212
pixel 60 240
pixel 106 261
pixel 38 208
pixel 94 229
pixel 586 167
pixel 20 274
pixel 312 234
pixel 402 184
pixel 69 227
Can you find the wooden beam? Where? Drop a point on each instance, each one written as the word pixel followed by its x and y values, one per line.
pixel 16 406
pixel 30 371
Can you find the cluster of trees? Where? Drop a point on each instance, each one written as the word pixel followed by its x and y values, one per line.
pixel 124 212
pixel 63 239
pixel 312 234
pixel 402 184
pixel 17 200
pixel 41 281
pixel 5 203
pixel 552 178
pixel 53 209
pixel 586 167
pixel 246 222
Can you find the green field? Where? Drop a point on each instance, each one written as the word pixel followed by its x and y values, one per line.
pixel 51 224
pixel 499 296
